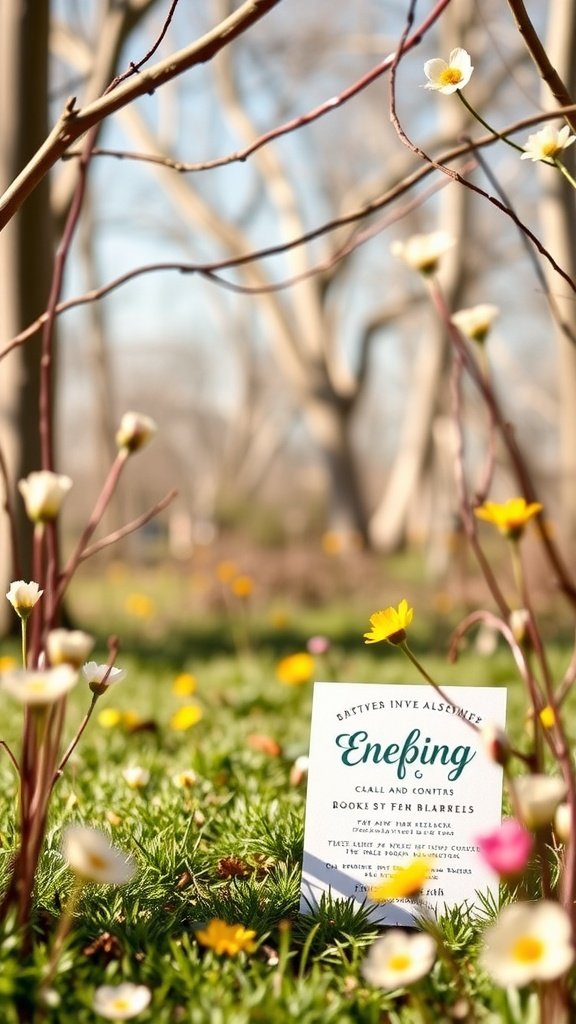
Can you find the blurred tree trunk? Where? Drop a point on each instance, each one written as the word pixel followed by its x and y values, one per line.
pixel 409 489
pixel 558 231
pixel 25 258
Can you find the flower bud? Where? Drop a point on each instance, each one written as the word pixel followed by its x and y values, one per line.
pixel 563 823
pixel 68 647
pixel 135 431
pixel 101 677
pixel 495 743
pixel 23 596
pixel 43 494
pixel 538 797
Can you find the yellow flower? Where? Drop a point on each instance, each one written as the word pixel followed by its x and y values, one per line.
pixel 390 624
pixel 184 684
pixel 109 718
pixel 7 662
pixel 186 717
pixel 140 605
pixel 547 717
pixel 225 571
pixel 295 668
pixel 131 720
pixel 242 586
pixel 509 517
pixel 227 938
pixel 404 881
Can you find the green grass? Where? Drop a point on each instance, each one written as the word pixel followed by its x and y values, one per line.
pixel 306 968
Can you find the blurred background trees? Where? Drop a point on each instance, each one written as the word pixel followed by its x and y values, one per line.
pixel 313 381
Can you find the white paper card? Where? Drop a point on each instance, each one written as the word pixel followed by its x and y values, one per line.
pixel 395 773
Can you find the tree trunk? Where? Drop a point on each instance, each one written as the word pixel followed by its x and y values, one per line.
pixel 558 227
pixel 427 399
pixel 25 259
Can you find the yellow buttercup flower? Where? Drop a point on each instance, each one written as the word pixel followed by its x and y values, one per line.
pixel 227 938
pixel 390 624
pixel 186 717
pixel 242 586
pixel 547 717
pixel 509 517
pixel 140 605
pixel 404 881
pixel 295 668
pixel 109 718
pixel 184 684
pixel 225 571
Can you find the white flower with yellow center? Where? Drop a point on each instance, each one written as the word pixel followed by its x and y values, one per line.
pixel 135 431
pixel 101 677
pixel 136 777
pixel 43 494
pixel 547 143
pixel 537 797
pixel 448 77
pixel 39 686
pixel 92 857
pixel 528 942
pixel 23 596
pixel 398 959
pixel 476 321
pixel 185 779
pixel 68 646
pixel 121 1002
pixel 423 252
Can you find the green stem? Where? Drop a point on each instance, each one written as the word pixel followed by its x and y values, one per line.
pixel 485 124
pixel 448 700
pixel 564 170
pixel 24 632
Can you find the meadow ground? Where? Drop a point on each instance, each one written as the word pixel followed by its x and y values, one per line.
pixel 227 842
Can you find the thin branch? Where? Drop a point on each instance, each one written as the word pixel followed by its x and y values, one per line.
pixel 130 527
pixel 538 53
pixel 73 122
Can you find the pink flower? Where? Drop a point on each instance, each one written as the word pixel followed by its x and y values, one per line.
pixel 507 849
pixel 318 645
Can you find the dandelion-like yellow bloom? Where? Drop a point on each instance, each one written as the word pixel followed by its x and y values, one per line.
pixel 140 605
pixel 184 684
pixel 225 571
pixel 186 717
pixel 227 938
pixel 509 517
pixel 548 717
pixel 390 624
pixel 295 669
pixel 109 718
pixel 404 881
pixel 242 586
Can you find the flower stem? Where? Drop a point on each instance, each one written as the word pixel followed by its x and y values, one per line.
pixel 485 124
pixel 564 170
pixel 412 657
pixel 24 631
